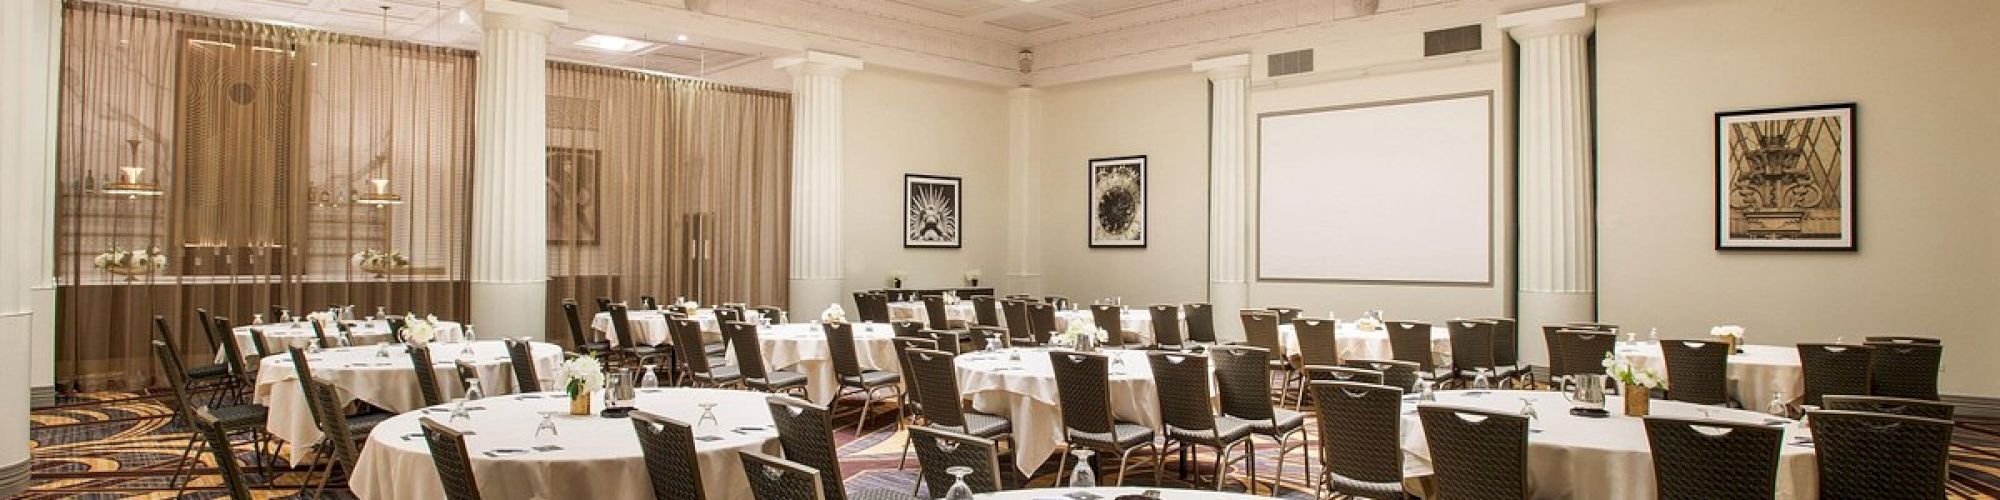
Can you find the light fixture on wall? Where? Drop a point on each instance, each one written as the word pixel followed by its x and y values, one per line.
pixel 131 179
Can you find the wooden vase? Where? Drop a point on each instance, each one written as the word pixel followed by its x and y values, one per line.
pixel 1638 401
pixel 579 404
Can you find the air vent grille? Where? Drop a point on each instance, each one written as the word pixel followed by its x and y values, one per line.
pixel 1290 63
pixel 1452 40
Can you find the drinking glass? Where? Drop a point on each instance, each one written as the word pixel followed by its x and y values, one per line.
pixel 1777 405
pixel 472 392
pixel 548 424
pixel 1480 382
pixel 257 318
pixel 958 491
pixel 1653 336
pixel 1528 410
pixel 471 334
pixel 1082 476
pixel 707 416
pixel 650 380
pixel 992 344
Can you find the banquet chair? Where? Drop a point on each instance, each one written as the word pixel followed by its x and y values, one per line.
pixel 878 308
pixel 1697 459
pixel 468 374
pixel 939 450
pixel 1019 330
pixel 579 341
pixel 229 419
pixel 750 362
pixel 207 323
pixel 278 312
pixel 1111 318
pixel 1698 371
pixel 1057 301
pixel 648 302
pixel 805 432
pixel 1833 369
pixel 1167 327
pixel 1584 350
pixel 1507 351
pixel 1042 321
pixel 852 377
pixel 947 341
pixel 1872 455
pixel 1286 314
pixel 1411 341
pixel 1891 406
pixel 1244 389
pixel 217 440
pixel 341 435
pixel 719 349
pixel 976 338
pixel 985 311
pixel 671 463
pixel 1899 339
pixel 396 325
pixel 1552 345
pixel 1260 330
pixel 319 335
pixel 207 377
pixel 629 351
pixel 1200 323
pixel 772 314
pixel 936 374
pixel 449 454
pixel 937 317
pixel 1904 370
pixel 1318 348
pixel 1360 438
pixel 1083 389
pixel 426 371
pixel 1471 349
pixel 232 356
pixel 1181 383
pixel 773 478
pixel 260 345
pixel 521 358
pixel 1398 374
pixel 1476 454
pixel 1591 326
pixel 907 328
pixel 913 388
pixel 604 304
pixel 694 364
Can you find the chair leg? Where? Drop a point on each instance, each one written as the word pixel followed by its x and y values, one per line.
pixel 859 420
pixel 1279 477
pixel 1061 459
pixel 1250 462
pixel 310 471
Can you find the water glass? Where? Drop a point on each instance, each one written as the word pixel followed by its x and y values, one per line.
pixel 548 424
pixel 650 380
pixel 1777 405
pixel 1480 382
pixel 1082 476
pixel 959 490
pixel 707 416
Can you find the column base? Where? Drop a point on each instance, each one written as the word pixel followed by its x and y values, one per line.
pixel 1548 308
pixel 810 296
pixel 1228 298
pixel 14 478
pixel 511 310
pixel 14 405
pixel 1022 283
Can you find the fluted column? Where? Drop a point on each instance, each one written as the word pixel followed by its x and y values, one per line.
pixel 510 264
pixel 1228 127
pixel 816 179
pixel 1558 265
pixel 1024 212
pixel 30 34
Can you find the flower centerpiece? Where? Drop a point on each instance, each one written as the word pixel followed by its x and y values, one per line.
pixel 1083 336
pixel 1731 334
pixel 418 331
pixel 950 297
pixel 579 376
pixel 833 314
pixel 896 278
pixel 1368 324
pixel 972 277
pixel 1638 384
pixel 131 263
pixel 380 263
pixel 690 306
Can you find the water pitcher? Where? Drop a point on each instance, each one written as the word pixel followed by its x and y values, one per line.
pixel 1589 391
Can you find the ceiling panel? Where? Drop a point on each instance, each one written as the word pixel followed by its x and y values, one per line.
pixel 1100 8
pixel 961 8
pixel 1026 21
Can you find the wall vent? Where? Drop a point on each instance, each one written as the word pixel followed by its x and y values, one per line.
pixel 1452 40
pixel 1289 63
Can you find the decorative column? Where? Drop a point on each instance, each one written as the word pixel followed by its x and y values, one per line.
pixel 1228 213
pixel 510 256
pixel 30 41
pixel 1558 261
pixel 816 179
pixel 1024 179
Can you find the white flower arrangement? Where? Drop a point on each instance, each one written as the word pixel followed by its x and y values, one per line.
pixel 418 331
pixel 581 374
pixel 131 262
pixel 379 262
pixel 690 305
pixel 1078 330
pixel 1368 324
pixel 321 318
pixel 1727 331
pixel 1629 374
pixel 950 297
pixel 833 314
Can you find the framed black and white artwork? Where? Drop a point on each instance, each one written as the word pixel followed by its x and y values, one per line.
pixel 1118 202
pixel 933 210
pixel 1785 178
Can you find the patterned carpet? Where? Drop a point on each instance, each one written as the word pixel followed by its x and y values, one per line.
pixel 123 445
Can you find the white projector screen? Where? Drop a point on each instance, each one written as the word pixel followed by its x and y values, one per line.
pixel 1396 192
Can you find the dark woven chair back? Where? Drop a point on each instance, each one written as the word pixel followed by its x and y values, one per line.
pixel 1697 371
pixel 176 377
pixel 1200 319
pixel 986 310
pixel 1287 315
pixel 319 334
pixel 939 450
pixel 728 314
pixel 207 324
pixel 1834 369
pixel 749 351
pixel 1873 455
pixel 1397 374
pixel 771 313
pixel 1019 329
pixel 935 314
pixel 1703 459
pixel 232 352
pixel 773 478
pixel 978 335
pixel 1360 429
pixel 1344 374
pixel 668 446
pixel 1243 381
pixel 1317 343
pixel 1898 339
pixel 1166 325
pixel 649 303
pixel 1111 318
pixel 467 375
pixel 167 338
pixel 520 354
pixel 863 305
pixel 1411 341
pixel 278 312
pixel 396 325
pixel 946 340
pixel 261 345
pixel 912 385
pixel 574 321
pixel 1060 302
pixel 1042 317
pixel 805 431
pixel 1584 351
pixel 454 465
pixel 427 384
pixel 1477 454
pixel 1471 344
pixel 907 328
pixel 329 413
pixel 936 375
pixel 1892 406
pixel 1506 341
pixel 1904 370
pixel 621 326
pixel 878 307
pixel 1589 326
pixel 687 344
pixel 1083 387
pixel 217 440
pixel 604 304
pixel 1552 345
pixel 1181 382
pixel 840 349
pixel 1260 330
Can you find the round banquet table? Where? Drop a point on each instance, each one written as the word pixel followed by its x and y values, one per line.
pixel 1578 457
pixel 1110 493
pixel 802 347
pixel 357 373
pixel 913 310
pixel 1024 390
pixel 1138 321
pixel 278 336
pixel 1374 344
pixel 649 326
pixel 588 457
pixel 1754 374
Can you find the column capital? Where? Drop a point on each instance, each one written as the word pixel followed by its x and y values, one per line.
pixel 1024 92
pixel 813 62
pixel 1224 67
pixel 516 15
pixel 1568 19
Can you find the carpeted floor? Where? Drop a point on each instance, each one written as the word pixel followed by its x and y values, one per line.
pixel 123 445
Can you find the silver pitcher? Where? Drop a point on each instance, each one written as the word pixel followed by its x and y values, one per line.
pixel 1588 391
pixel 619 387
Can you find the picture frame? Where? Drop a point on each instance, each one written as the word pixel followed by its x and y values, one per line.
pixel 573 180
pixel 1785 178
pixel 933 211
pixel 1116 216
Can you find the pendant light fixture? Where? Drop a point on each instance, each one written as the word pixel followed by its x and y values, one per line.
pixel 131 180
pixel 379 194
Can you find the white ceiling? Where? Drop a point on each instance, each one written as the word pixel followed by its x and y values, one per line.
pixel 1029 16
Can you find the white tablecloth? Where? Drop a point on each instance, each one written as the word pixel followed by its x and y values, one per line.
pixel 1025 391
pixel 649 327
pixel 802 347
pixel 389 382
pixel 1753 375
pixel 913 310
pixel 278 336
pixel 1578 457
pixel 1357 344
pixel 1132 320
pixel 599 458
pixel 1110 493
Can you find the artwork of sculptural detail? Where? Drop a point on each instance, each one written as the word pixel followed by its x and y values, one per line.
pixel 1786 178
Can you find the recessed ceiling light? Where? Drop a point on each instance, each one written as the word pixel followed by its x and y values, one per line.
pixel 613 43
pixel 681 38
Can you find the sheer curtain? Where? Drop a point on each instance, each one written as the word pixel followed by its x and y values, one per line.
pixel 667 187
pixel 260 139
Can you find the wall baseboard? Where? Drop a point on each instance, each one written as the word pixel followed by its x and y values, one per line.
pixel 1977 406
pixel 14 478
pixel 41 397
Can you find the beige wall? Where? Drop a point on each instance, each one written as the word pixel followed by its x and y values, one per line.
pixel 900 122
pixel 1923 77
